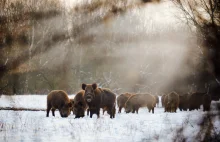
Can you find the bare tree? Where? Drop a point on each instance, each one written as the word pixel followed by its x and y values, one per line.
pixel 203 18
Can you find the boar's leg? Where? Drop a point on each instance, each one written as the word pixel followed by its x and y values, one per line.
pixel 48 109
pixel 119 111
pixel 98 112
pixel 91 113
pixel 111 111
pixel 171 109
pixel 149 107
pixel 53 111
pixel 153 110
pixel 114 110
pixel 104 109
pixel 111 114
pixel 88 112
pixel 133 109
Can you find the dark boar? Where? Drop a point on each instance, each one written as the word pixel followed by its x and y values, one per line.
pixel 79 104
pixel 183 102
pixel 172 102
pixel 195 100
pixel 97 98
pixel 58 99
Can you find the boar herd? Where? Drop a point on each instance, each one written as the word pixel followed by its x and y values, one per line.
pixel 92 98
pixel 192 101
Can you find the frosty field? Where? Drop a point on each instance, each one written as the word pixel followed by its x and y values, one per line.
pixel 29 126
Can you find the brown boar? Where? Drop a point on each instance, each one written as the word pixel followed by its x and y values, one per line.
pixel 163 100
pixel 97 98
pixel 79 104
pixel 139 100
pixel 58 99
pixel 121 100
pixel 172 102
pixel 183 102
pixel 195 100
pixel 104 109
pixel 206 102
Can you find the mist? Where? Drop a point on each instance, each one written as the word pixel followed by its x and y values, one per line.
pixel 145 49
pixel 127 46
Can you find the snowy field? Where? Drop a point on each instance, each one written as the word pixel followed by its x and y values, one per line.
pixel 27 126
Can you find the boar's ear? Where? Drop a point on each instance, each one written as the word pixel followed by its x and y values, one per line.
pixel 70 104
pixel 83 86
pixel 94 86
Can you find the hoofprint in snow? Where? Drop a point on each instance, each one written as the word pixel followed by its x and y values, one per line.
pixel 29 126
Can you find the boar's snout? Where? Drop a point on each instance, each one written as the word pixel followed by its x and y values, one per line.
pixel 65 113
pixel 127 111
pixel 89 97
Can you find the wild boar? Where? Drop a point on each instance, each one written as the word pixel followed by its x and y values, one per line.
pixel 140 100
pixel 195 100
pixel 79 104
pixel 97 98
pixel 58 99
pixel 172 102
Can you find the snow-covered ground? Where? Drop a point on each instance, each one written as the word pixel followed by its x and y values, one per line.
pixel 29 126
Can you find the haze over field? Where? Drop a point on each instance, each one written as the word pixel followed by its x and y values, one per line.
pixel 144 49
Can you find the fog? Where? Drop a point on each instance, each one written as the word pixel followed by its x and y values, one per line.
pixel 141 48
pixel 145 49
